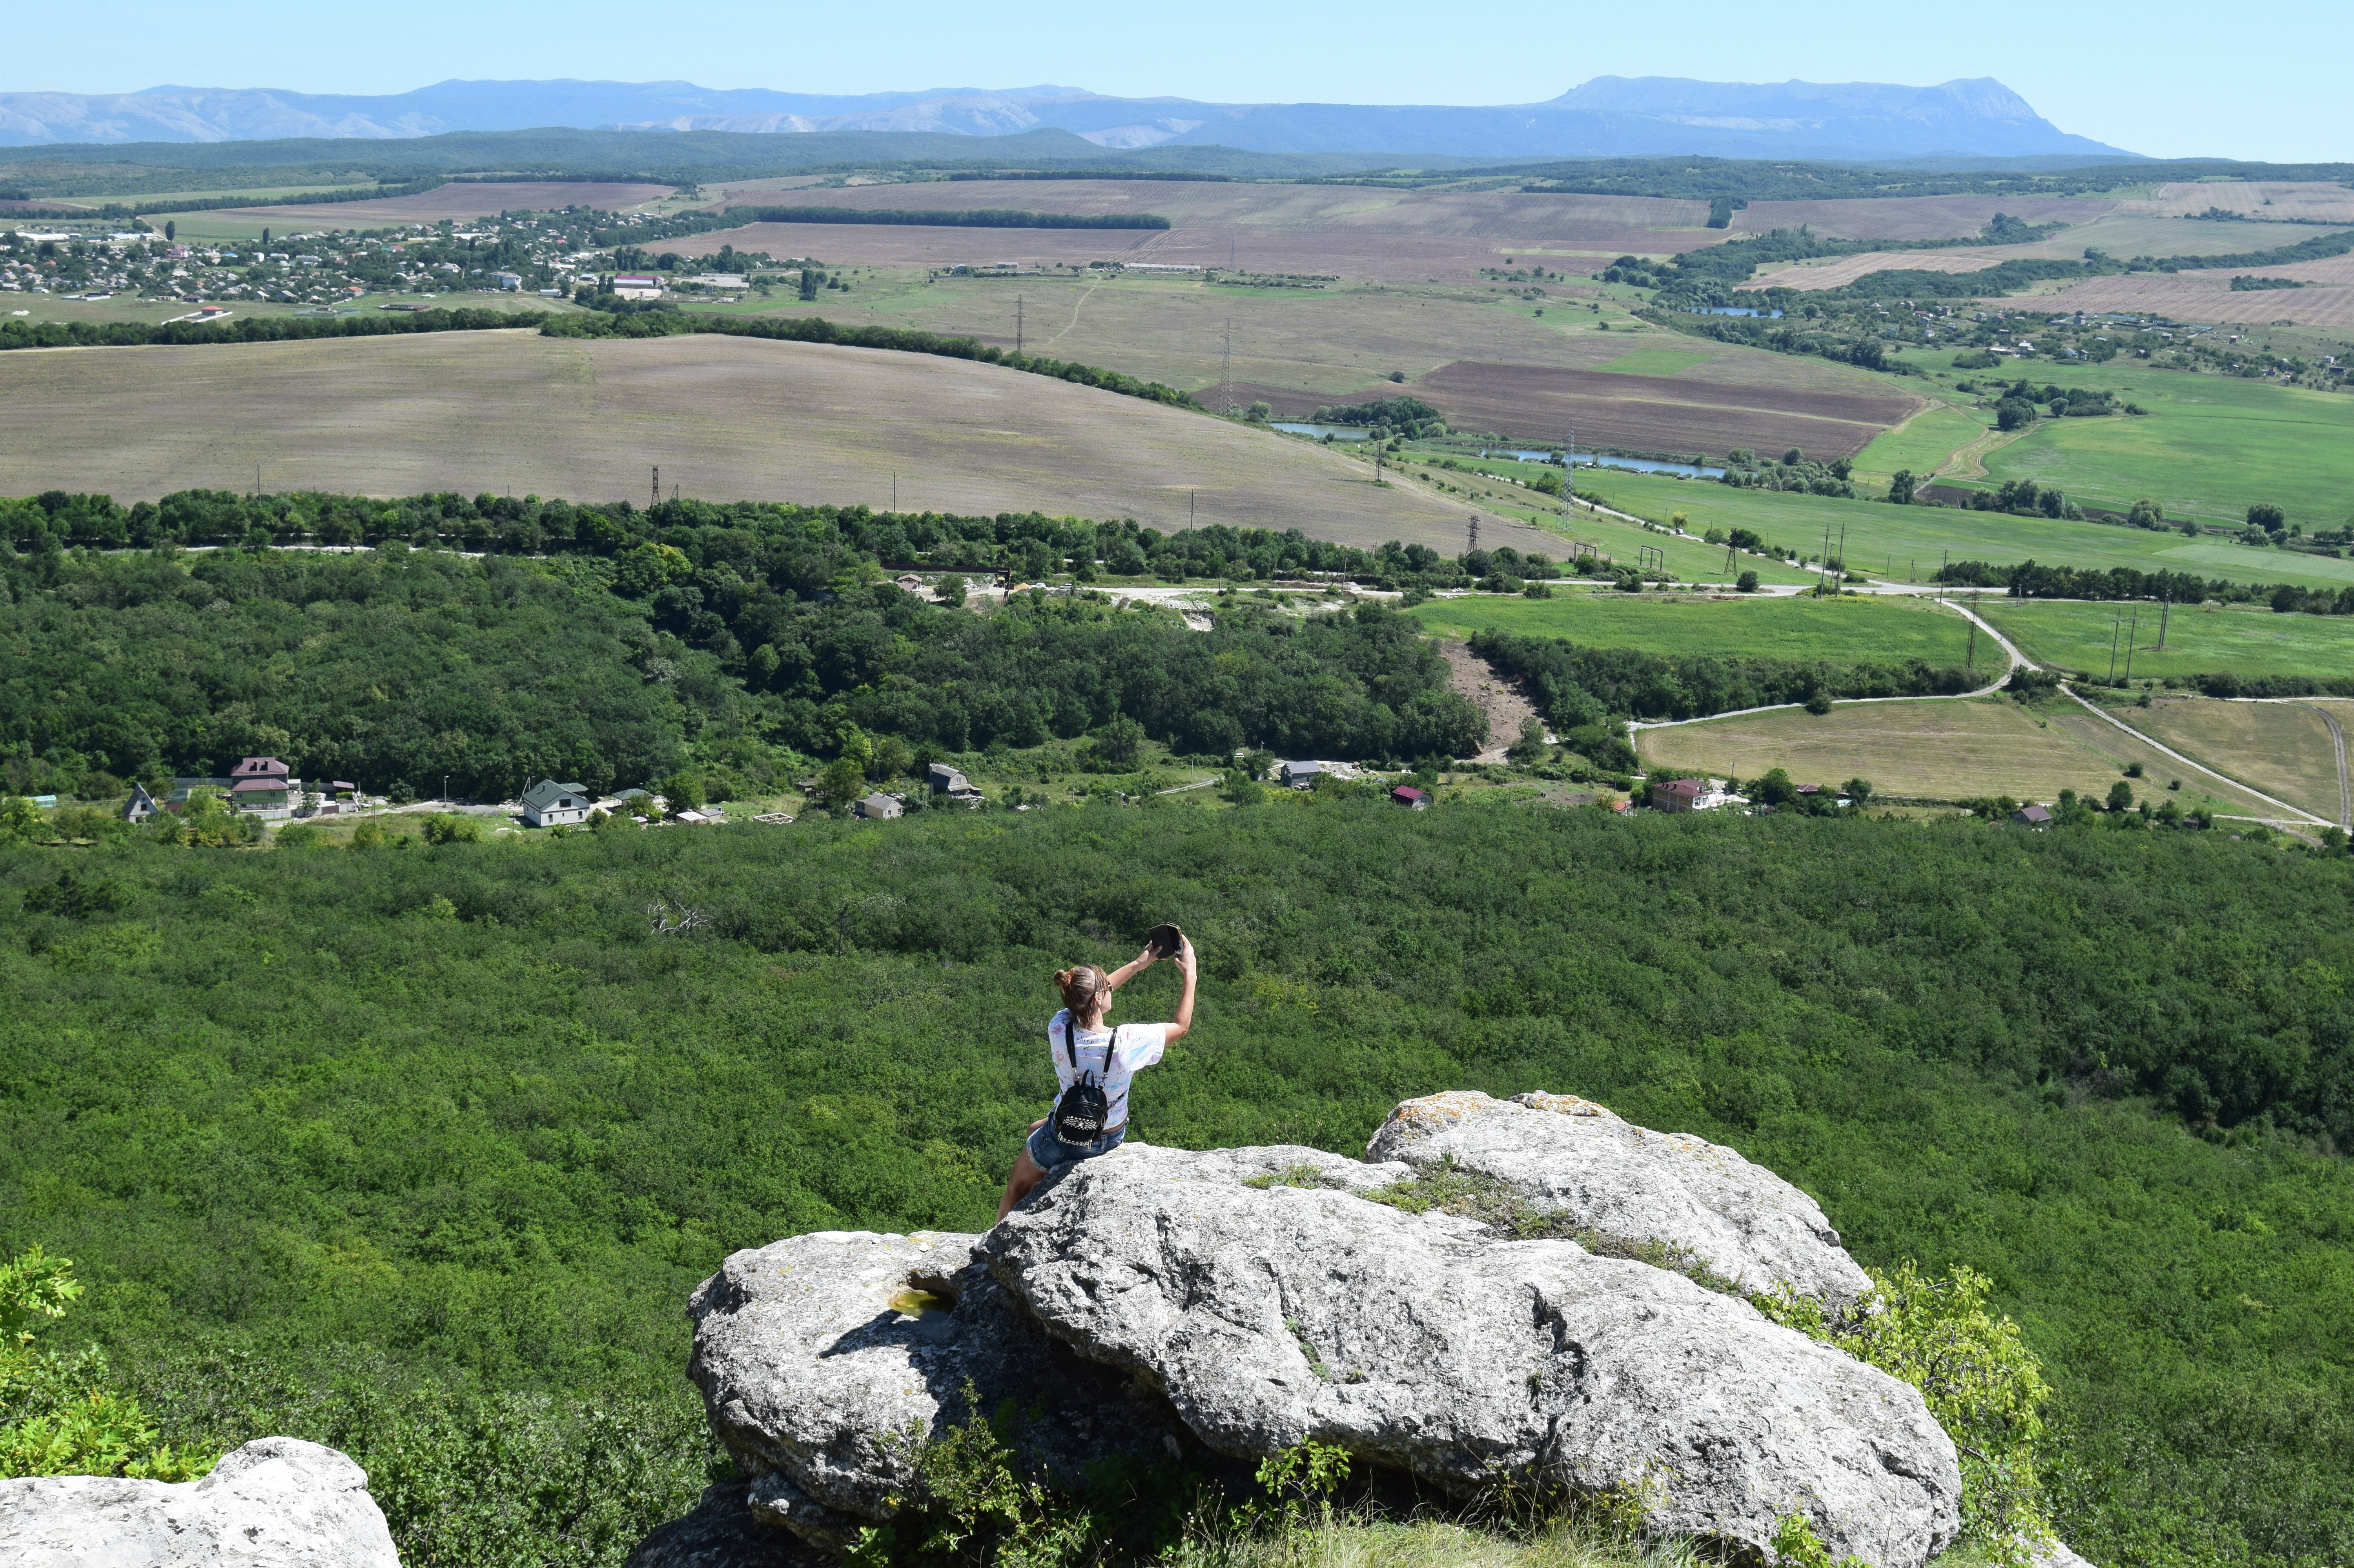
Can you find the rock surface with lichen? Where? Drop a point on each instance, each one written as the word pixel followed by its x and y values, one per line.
pixel 1572 1156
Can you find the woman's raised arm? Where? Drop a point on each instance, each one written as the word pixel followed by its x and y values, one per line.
pixel 1184 1022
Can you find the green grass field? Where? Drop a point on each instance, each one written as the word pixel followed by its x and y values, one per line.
pixel 1922 444
pixel 1844 630
pixel 2209 447
pixel 2240 638
pixel 1906 543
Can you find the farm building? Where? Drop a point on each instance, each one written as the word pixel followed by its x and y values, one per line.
pixel 141 806
pixel 1297 775
pixel 550 804
pixel 638 286
pixel 1412 798
pixel 878 808
pixel 2032 816
pixel 951 782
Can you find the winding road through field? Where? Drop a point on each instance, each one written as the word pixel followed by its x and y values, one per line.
pixel 2295 813
pixel 2017 660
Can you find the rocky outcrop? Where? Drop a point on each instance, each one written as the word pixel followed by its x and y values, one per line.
pixel 1577 1158
pixel 1274 1316
pixel 825 1359
pixel 1236 1302
pixel 277 1502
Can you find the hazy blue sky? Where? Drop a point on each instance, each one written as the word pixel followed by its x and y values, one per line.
pixel 2264 79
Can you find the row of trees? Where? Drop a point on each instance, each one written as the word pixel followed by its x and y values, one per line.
pixel 2033 579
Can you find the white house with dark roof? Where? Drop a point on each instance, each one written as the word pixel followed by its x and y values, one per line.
pixel 551 804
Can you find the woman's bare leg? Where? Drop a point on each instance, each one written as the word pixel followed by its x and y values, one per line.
pixel 1026 1175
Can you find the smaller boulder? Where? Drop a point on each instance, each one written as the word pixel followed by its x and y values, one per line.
pixel 277 1502
pixel 1572 1156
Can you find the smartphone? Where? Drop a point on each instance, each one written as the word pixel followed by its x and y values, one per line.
pixel 1164 941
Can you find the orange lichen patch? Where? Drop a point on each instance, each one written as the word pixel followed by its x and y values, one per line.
pixel 1453 1105
pixel 1567 1105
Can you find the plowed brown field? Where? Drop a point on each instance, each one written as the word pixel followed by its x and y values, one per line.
pixel 726 418
pixel 459 198
pixel 1914 217
pixel 1347 231
pixel 2273 200
pixel 1654 413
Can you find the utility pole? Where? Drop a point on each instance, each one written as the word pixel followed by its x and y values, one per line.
pixel 1189 509
pixel 2164 605
pixel 1472 535
pixel 2115 626
pixel 657 500
pixel 1226 371
pixel 1017 323
pixel 895 490
pixel 2131 633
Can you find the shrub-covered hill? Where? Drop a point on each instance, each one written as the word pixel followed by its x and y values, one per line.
pixel 458 1112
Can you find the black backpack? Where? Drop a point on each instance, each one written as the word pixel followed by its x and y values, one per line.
pixel 1080 1114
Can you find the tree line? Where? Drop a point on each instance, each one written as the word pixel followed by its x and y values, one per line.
pixel 2033 579
pixel 952 217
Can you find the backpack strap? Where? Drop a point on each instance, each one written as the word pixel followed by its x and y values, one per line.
pixel 1071 1047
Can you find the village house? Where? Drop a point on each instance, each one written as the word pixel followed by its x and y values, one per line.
pixel 264 786
pixel 550 804
pixel 951 782
pixel 878 808
pixel 1412 798
pixel 2032 816
pixel 1677 794
pixel 1297 775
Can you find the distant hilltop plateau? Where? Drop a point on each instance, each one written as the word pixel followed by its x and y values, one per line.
pixel 1606 117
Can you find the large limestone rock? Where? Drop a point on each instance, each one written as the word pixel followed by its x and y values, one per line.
pixel 277 1502
pixel 1270 1315
pixel 823 1357
pixel 1609 1176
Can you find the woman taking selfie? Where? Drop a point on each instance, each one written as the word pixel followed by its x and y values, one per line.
pixel 1094 1061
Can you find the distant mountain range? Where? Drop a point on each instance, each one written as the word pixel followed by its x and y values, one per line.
pixel 1608 116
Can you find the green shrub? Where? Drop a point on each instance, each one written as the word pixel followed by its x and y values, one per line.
pixel 61 1413
pixel 1976 1374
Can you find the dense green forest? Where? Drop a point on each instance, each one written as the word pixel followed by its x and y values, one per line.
pixel 419 1150
pixel 741 640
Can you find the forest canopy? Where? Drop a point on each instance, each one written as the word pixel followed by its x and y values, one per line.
pixel 680 634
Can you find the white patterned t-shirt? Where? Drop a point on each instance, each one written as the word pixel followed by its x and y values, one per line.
pixel 1139 1046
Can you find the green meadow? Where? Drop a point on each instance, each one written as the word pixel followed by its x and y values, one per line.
pixel 1843 631
pixel 2246 639
pixel 2209 447
pixel 1908 542
pixel 1922 444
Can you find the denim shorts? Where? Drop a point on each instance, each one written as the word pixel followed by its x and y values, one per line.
pixel 1049 1152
